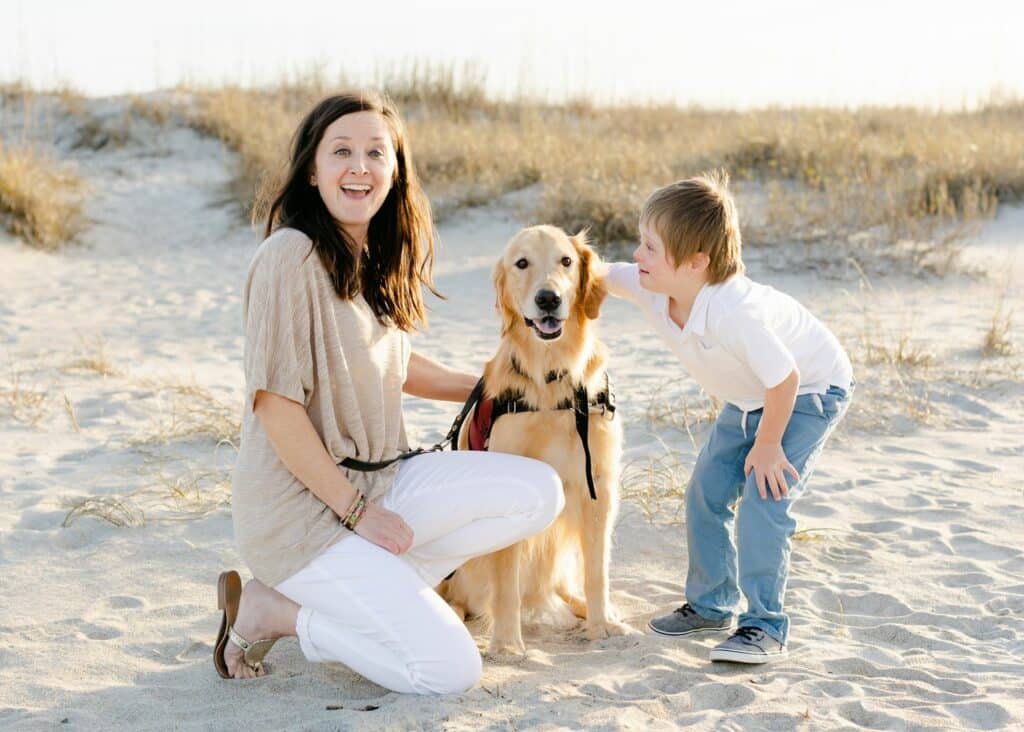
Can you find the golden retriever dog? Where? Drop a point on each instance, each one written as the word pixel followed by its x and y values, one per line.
pixel 548 296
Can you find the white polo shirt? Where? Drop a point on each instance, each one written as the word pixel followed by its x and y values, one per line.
pixel 742 338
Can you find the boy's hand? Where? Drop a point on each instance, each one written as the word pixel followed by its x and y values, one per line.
pixel 770 466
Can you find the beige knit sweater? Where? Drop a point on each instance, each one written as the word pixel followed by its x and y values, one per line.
pixel 336 359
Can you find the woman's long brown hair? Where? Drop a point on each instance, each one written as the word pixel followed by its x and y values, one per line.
pixel 398 259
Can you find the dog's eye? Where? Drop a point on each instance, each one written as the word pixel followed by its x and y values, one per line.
pixel 522 263
pixel 566 261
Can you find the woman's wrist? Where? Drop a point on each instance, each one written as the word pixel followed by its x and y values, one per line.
pixel 351 519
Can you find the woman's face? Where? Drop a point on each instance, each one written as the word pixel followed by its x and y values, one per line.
pixel 353 170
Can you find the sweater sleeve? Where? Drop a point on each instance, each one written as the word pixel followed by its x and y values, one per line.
pixel 278 316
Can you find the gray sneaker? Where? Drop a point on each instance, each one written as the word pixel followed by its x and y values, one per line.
pixel 749 645
pixel 685 621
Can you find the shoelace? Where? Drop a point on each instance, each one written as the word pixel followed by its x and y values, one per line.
pixel 748 634
pixel 686 610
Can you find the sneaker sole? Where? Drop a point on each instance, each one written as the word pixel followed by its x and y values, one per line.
pixel 689 632
pixel 752 658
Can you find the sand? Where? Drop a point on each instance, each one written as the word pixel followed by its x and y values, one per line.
pixel 120 391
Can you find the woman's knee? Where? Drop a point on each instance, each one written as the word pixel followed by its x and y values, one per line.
pixel 546 486
pixel 457 670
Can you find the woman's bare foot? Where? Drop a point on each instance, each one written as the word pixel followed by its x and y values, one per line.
pixel 263 613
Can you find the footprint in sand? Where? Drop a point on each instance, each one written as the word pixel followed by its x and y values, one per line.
pixel 861 716
pixel 972 546
pixel 964 579
pixel 975 466
pixel 99 632
pixel 875 604
pixel 124 602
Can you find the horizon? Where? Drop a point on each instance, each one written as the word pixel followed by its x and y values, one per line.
pixel 926 55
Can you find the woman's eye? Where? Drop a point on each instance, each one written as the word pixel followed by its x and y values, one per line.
pixel 522 263
pixel 341 151
pixel 566 261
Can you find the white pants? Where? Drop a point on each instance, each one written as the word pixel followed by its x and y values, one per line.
pixel 377 613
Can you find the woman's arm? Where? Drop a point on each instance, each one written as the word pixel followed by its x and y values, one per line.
pixel 429 379
pixel 300 448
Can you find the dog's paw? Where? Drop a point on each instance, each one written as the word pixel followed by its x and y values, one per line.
pixel 607 629
pixel 501 647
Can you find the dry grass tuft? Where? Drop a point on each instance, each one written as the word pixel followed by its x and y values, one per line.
pixel 92 357
pixel 96 133
pixel 666 409
pixel 188 412
pixel 72 416
pixel 656 483
pixel 192 494
pixel 158 111
pixel 39 198
pixel 21 402
pixel 107 508
pixel 997 338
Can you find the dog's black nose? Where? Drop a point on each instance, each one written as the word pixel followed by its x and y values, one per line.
pixel 547 300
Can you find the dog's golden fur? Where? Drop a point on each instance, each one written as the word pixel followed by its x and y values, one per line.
pixel 541 573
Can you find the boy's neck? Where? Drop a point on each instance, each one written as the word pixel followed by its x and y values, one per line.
pixel 682 297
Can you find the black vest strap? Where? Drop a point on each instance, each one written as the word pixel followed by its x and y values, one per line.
pixel 582 410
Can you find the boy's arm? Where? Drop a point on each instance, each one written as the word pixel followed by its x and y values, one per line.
pixel 766 458
pixel 752 341
pixel 621 279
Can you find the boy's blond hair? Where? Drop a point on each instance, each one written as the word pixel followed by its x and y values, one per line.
pixel 698 215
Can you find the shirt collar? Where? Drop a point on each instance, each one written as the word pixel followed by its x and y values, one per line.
pixel 698 320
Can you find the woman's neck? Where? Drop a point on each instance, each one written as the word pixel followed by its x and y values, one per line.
pixel 356 236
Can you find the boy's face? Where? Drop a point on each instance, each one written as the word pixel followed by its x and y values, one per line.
pixel 657 273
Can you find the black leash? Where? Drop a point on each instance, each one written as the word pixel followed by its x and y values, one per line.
pixel 450 439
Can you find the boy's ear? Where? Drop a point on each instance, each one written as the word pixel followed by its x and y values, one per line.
pixel 592 289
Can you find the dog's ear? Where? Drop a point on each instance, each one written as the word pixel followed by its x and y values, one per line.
pixel 592 288
pixel 508 314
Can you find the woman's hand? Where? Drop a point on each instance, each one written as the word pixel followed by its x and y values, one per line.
pixel 385 529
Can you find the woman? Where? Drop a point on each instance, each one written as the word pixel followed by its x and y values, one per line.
pixel 347 560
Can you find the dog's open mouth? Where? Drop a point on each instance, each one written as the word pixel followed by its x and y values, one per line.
pixel 546 328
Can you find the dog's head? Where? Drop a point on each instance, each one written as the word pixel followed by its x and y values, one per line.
pixel 545 278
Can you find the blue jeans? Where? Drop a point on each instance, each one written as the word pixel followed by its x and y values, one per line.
pixel 764 527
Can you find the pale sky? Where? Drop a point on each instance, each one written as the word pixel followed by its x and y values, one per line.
pixel 739 54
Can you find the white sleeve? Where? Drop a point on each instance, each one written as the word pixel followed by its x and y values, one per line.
pixel 624 280
pixel 752 341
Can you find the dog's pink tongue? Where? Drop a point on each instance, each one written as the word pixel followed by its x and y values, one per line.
pixel 547 325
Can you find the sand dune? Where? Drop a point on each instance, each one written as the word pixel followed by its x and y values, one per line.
pixel 121 375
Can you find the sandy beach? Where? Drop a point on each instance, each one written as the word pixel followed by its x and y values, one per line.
pixel 120 395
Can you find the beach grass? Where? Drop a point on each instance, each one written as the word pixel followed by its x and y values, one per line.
pixel 907 183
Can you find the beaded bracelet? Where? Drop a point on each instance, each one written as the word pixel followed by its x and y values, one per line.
pixel 352 505
pixel 361 511
pixel 355 514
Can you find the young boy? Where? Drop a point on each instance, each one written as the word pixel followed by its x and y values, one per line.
pixel 786 383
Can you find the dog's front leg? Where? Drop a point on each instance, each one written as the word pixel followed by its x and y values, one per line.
pixel 506 603
pixel 596 546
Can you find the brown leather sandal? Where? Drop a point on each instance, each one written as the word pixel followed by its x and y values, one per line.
pixel 229 594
